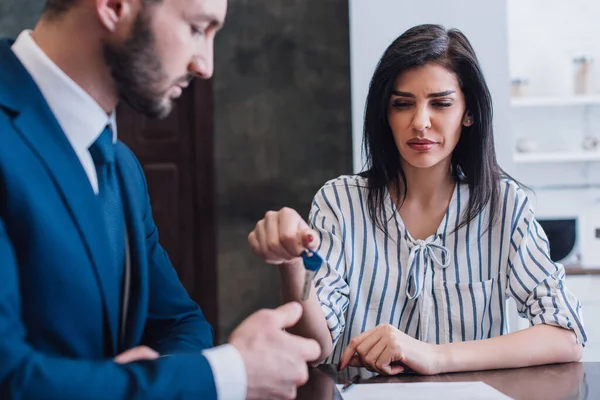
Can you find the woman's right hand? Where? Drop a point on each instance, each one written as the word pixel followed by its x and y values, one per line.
pixel 281 237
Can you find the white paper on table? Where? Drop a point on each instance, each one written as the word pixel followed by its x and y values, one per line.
pixel 422 391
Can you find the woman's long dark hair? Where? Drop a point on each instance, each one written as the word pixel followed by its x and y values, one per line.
pixel 474 158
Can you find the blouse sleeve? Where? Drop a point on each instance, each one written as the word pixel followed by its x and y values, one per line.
pixel 536 283
pixel 330 281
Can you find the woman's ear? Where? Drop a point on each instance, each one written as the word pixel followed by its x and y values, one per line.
pixel 468 119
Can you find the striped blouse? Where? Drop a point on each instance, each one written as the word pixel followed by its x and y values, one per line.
pixel 450 287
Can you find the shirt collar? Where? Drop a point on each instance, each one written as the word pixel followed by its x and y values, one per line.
pixel 80 117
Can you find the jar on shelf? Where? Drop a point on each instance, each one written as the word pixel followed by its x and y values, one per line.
pixel 527 145
pixel 590 143
pixel 518 87
pixel 583 74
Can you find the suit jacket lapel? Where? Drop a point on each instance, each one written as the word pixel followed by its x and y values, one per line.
pixel 38 126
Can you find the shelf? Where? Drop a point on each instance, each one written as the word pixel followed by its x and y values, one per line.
pixel 577 270
pixel 556 157
pixel 583 100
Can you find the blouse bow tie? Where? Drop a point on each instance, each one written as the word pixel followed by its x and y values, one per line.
pixel 423 252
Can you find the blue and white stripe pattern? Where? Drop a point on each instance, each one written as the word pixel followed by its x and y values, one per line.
pixel 451 286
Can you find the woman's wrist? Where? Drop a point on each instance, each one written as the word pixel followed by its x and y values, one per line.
pixel 292 273
pixel 292 267
pixel 444 358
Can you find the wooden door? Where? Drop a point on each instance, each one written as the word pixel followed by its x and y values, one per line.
pixel 177 157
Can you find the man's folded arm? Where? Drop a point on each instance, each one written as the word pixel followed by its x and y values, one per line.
pixel 28 373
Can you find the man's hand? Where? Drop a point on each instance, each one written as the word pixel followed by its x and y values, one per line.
pixel 136 354
pixel 275 361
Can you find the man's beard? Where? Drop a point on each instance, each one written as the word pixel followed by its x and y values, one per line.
pixel 137 70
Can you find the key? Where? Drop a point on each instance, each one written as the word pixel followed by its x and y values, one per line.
pixel 312 263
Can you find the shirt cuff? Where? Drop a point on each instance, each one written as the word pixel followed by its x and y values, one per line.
pixel 228 371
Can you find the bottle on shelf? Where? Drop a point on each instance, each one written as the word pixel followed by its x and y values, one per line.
pixel 583 75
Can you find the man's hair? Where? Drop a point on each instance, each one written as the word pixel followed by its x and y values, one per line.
pixel 57 7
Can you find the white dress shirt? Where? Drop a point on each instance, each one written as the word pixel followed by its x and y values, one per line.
pixel 449 287
pixel 82 121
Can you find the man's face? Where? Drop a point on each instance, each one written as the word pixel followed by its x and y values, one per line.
pixel 170 43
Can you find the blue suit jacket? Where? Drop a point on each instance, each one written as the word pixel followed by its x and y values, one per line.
pixel 59 306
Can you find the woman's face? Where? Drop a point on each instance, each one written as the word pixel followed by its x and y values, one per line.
pixel 426 113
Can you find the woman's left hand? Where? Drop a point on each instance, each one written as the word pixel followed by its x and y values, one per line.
pixel 388 351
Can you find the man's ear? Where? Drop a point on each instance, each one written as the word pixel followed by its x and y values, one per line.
pixel 468 119
pixel 115 13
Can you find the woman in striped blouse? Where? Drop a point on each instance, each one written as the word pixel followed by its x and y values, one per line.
pixel 423 249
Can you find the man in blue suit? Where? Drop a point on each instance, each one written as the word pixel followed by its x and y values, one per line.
pixel 90 306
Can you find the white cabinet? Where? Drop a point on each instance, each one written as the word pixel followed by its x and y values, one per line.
pixel 587 290
pixel 555 124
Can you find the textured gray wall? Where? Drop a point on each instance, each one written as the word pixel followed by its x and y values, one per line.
pixel 282 126
pixel 16 15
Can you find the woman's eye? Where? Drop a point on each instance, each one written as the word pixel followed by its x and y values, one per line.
pixel 401 104
pixel 442 104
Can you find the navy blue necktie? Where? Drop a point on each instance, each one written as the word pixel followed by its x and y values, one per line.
pixel 103 154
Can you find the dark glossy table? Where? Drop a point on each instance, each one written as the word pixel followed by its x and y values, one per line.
pixel 573 381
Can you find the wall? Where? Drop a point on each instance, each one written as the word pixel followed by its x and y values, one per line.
pixel 282 126
pixel 374 24
pixel 16 15
pixel 544 37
